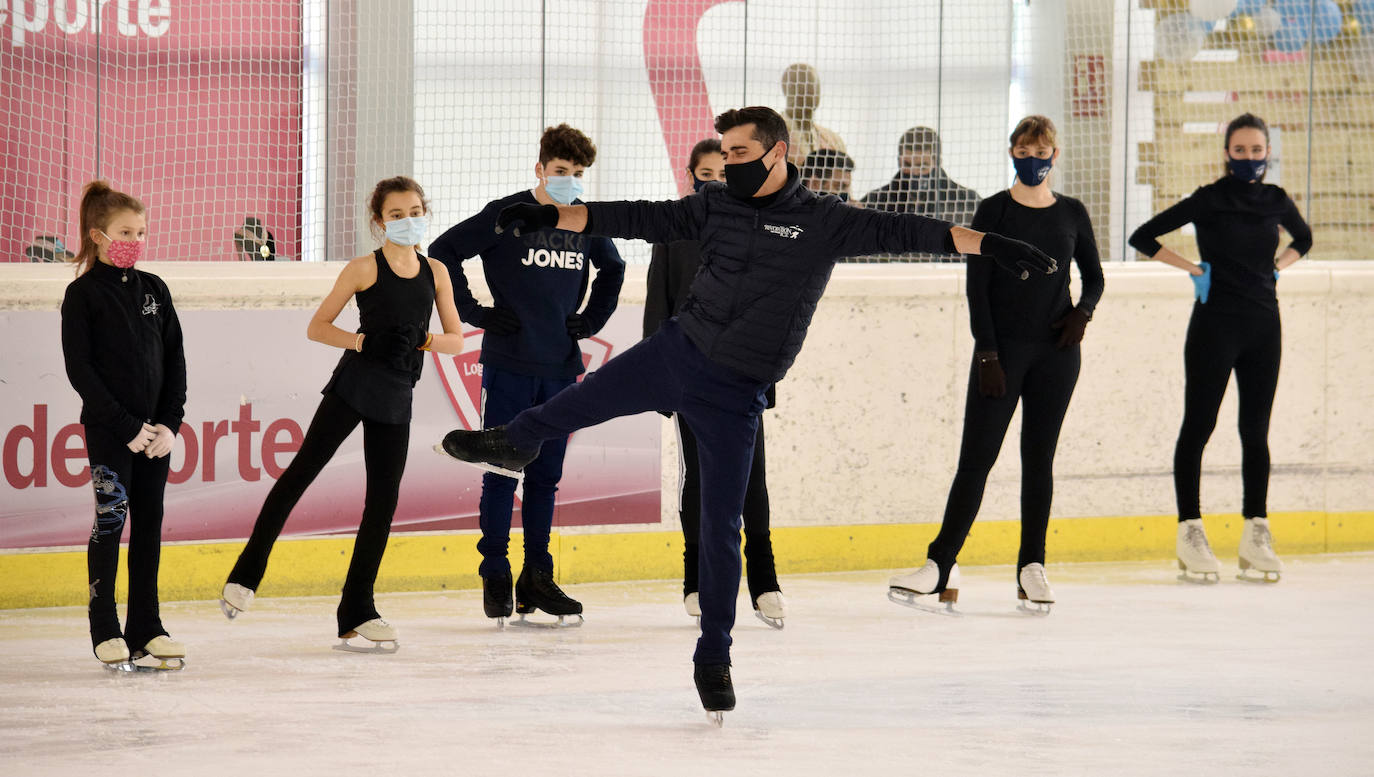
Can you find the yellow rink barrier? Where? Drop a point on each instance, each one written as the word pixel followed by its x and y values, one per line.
pixel 436 562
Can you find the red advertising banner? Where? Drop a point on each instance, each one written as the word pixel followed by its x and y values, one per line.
pixel 254 382
pixel 195 108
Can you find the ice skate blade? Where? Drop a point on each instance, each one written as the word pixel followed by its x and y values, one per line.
pixel 1264 577
pixel 561 623
pixel 1200 578
pixel 1040 609
pixel 163 665
pixel 774 622
pixel 500 623
pixel 716 717
pixel 230 611
pixel 908 598
pixel 482 465
pixel 385 647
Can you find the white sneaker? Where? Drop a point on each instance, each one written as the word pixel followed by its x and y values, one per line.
pixel 164 647
pixel 1257 551
pixel 771 608
pixel 692 602
pixel 1194 554
pixel 235 599
pixel 1035 586
pixel 112 651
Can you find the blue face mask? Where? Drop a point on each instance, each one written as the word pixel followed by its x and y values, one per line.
pixel 407 231
pixel 1247 170
pixel 563 188
pixel 1031 170
pixel 697 183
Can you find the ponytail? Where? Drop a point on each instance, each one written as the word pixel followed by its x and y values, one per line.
pixel 99 204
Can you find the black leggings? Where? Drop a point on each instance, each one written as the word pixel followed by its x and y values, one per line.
pixel 760 571
pixel 1042 378
pixel 384 454
pixel 128 486
pixel 1219 342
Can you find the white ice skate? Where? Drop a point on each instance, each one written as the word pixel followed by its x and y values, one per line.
pixel 771 608
pixel 114 654
pixel 1195 556
pixel 235 599
pixel 1257 553
pixel 692 603
pixel 171 655
pixel 381 634
pixel 1033 590
pixel 904 589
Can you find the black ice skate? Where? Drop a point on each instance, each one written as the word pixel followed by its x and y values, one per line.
pixel 487 450
pixel 496 598
pixel 536 590
pixel 716 691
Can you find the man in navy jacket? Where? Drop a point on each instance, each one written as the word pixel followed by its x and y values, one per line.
pixel 530 353
pixel 768 245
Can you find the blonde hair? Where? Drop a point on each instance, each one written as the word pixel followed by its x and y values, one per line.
pixel 99 204
pixel 1032 129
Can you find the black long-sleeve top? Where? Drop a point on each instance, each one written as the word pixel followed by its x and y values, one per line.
pixel 1237 233
pixel 542 276
pixel 121 340
pixel 1002 307
pixel 764 266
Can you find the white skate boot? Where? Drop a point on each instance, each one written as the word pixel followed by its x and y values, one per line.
pixel 1257 552
pixel 381 634
pixel 170 654
pixel 114 654
pixel 1033 590
pixel 904 589
pixel 1195 556
pixel 771 608
pixel 692 603
pixel 235 599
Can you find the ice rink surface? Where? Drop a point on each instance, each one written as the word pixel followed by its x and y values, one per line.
pixel 1134 673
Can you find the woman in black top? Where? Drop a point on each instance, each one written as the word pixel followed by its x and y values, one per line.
pixel 1234 326
pixel 671 271
pixel 396 288
pixel 1026 335
pixel 121 340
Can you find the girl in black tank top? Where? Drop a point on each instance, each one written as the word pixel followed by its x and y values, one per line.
pixel 396 289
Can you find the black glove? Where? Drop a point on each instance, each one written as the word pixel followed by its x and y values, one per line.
pixel 1017 257
pixel 1070 328
pixel 497 320
pixel 388 346
pixel 526 217
pixel 579 328
pixel 992 379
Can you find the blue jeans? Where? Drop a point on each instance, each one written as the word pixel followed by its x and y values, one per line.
pixel 667 372
pixel 504 395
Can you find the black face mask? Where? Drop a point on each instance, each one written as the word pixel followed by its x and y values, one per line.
pixel 746 178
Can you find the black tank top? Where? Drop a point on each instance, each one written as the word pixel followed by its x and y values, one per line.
pixel 377 391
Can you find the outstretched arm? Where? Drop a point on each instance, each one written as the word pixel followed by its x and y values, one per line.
pixel 656 222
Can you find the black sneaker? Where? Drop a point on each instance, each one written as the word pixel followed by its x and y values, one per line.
pixel 714 687
pixel 496 596
pixel 536 589
pixel 488 449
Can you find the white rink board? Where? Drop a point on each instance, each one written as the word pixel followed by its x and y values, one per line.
pixel 1133 674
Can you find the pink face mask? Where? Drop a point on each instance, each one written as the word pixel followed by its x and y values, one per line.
pixel 124 253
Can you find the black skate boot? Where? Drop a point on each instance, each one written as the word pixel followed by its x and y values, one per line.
pixel 496 598
pixel 536 590
pixel 715 689
pixel 488 449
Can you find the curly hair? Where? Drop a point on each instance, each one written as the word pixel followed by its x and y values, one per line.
pixel 566 142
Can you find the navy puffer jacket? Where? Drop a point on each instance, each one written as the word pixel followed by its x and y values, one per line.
pixel 763 269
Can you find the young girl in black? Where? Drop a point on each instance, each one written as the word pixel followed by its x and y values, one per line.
pixel 396 288
pixel 671 271
pixel 1234 327
pixel 122 344
pixel 1026 335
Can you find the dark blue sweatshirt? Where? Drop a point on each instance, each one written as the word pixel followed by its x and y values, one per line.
pixel 541 277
